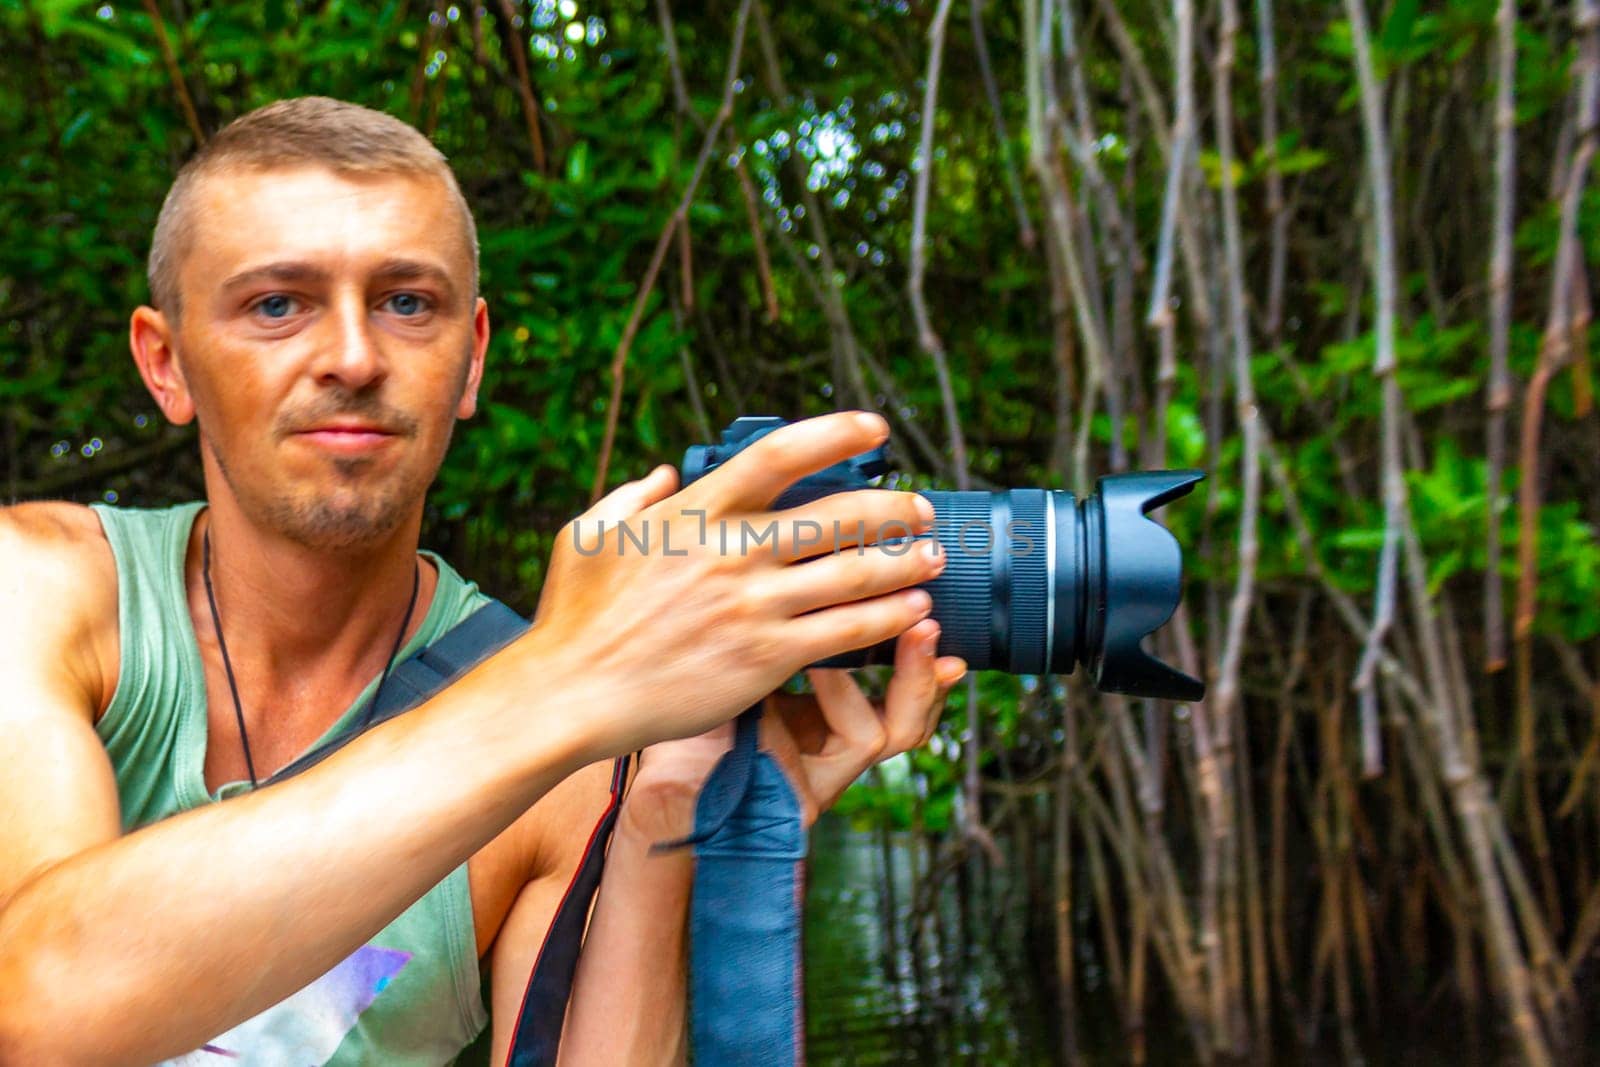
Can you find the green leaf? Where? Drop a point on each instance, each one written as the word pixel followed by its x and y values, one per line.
pixel 663 151
pixel 1365 540
pixel 79 123
pixel 54 14
pixel 1302 160
pixel 578 163
pixel 1396 33
pixel 107 39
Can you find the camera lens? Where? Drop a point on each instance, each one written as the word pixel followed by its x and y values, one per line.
pixel 1037 581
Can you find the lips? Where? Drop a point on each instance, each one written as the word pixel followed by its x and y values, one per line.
pixel 348 438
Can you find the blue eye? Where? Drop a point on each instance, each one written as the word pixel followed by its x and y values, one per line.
pixel 276 306
pixel 407 304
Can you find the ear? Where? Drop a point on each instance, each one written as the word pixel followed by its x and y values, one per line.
pixel 152 339
pixel 480 345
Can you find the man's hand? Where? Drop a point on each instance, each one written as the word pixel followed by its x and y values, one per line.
pixel 823 739
pixel 829 739
pixel 704 600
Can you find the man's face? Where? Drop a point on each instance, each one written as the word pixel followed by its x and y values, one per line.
pixel 329 338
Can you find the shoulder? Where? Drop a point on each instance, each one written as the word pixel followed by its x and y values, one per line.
pixel 53 546
pixel 58 595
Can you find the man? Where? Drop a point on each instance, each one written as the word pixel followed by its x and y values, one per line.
pixel 315 311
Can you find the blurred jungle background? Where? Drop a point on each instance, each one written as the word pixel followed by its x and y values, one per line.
pixel 1338 254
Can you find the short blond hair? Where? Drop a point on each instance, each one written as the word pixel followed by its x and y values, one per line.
pixel 346 138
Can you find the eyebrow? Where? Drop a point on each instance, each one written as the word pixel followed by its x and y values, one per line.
pixel 412 270
pixel 294 271
pixel 277 272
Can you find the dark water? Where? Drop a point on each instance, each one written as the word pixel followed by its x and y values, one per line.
pixel 873 998
pixel 980 994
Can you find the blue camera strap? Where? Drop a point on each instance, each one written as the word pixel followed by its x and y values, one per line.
pixel 745 975
pixel 744 956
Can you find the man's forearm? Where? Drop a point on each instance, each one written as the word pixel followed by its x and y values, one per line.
pixel 630 993
pixel 147 946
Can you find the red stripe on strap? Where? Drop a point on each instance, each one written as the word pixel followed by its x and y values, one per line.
pixel 597 838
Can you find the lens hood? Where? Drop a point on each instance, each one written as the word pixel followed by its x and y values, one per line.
pixel 1134 581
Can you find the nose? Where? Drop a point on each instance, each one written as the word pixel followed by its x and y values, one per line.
pixel 352 356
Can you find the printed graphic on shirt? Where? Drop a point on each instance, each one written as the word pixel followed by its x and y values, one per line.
pixel 305 1029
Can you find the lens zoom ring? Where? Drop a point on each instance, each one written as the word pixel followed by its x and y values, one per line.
pixel 1030 595
pixel 963 595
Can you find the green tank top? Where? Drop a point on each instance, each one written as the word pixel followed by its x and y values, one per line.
pixel 412 995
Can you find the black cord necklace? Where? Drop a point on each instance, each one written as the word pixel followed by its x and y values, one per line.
pixel 227 665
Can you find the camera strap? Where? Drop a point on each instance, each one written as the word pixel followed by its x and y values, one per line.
pixel 745 933
pixel 745 967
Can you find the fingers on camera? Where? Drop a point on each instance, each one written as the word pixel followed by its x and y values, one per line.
pixel 861 624
pixel 849 577
pixel 754 478
pixel 848 520
pixel 630 498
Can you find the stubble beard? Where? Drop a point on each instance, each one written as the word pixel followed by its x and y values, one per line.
pixel 354 516
pixel 363 508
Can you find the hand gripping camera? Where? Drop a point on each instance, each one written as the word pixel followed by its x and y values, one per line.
pixel 1035 581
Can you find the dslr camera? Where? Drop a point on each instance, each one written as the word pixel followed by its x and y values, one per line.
pixel 1035 580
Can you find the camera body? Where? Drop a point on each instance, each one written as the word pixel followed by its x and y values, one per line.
pixel 1035 581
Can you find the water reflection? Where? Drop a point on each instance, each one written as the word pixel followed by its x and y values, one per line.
pixel 875 998
pixel 977 986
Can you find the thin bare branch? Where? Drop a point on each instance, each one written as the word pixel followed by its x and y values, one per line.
pixel 518 47
pixel 679 214
pixel 1160 313
pixel 1384 284
pixel 1223 705
pixel 1019 205
pixel 1498 397
pixel 1555 348
pixel 927 336
pixel 1277 211
pixel 747 191
pixel 174 72
pixel 849 358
